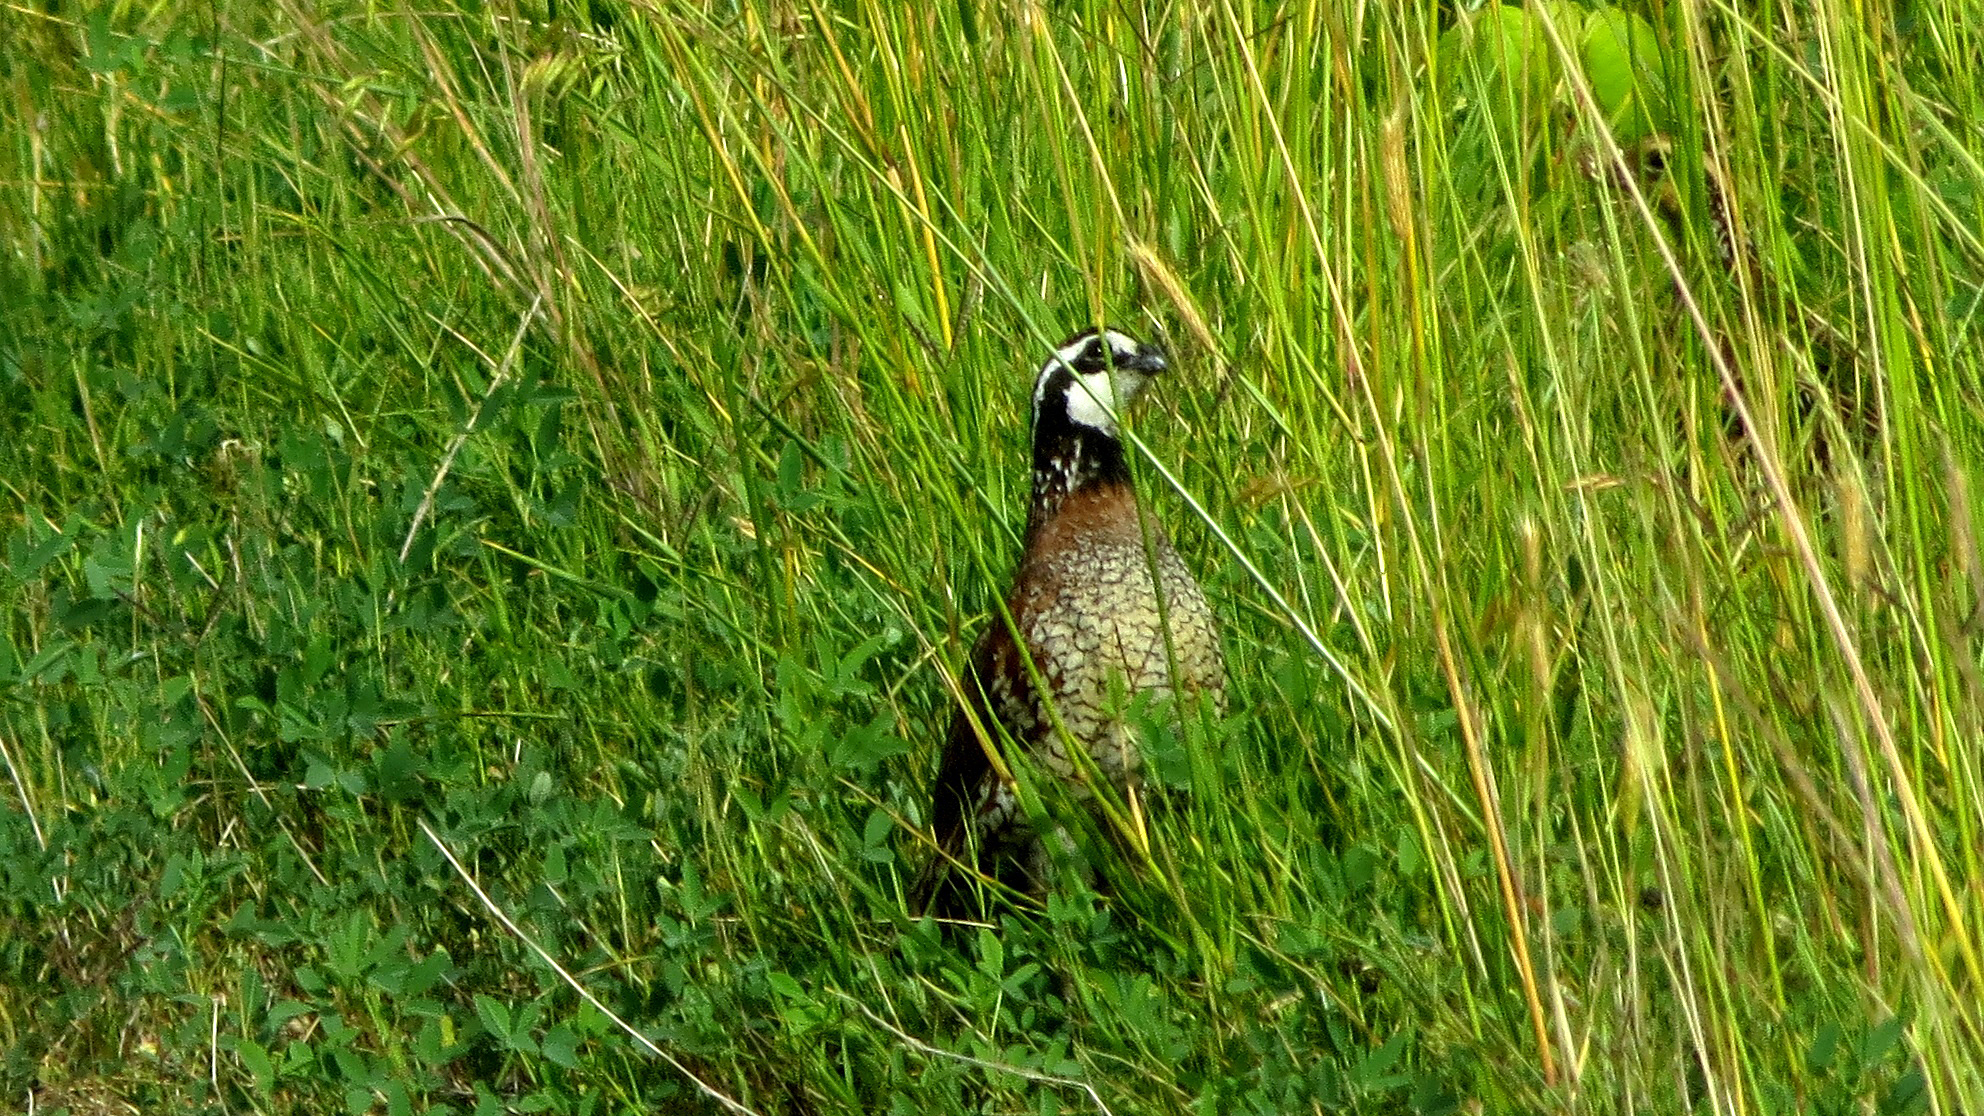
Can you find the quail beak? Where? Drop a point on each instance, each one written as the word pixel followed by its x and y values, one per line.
pixel 1132 372
pixel 1149 361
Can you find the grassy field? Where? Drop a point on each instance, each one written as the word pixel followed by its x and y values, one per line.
pixel 492 495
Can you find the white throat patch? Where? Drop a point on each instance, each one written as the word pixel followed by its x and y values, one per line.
pixel 1092 402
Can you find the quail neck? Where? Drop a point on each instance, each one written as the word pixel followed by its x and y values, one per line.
pixel 1077 397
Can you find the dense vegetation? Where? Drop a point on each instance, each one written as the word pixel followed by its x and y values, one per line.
pixel 490 478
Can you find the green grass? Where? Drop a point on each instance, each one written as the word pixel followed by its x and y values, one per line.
pixel 566 450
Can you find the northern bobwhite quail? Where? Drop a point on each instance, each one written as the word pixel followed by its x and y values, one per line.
pixel 1086 602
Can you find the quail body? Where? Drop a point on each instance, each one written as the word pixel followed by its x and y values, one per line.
pixel 1104 609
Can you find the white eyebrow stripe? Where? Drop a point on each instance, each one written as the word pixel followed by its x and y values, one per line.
pixel 1040 383
pixel 1065 355
pixel 1122 343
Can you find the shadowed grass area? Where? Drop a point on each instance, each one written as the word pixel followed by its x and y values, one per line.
pixel 551 458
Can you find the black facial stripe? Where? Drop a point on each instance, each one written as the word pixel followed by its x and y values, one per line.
pixel 1095 354
pixel 1060 381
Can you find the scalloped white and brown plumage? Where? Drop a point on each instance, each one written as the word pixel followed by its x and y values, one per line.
pixel 1106 610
